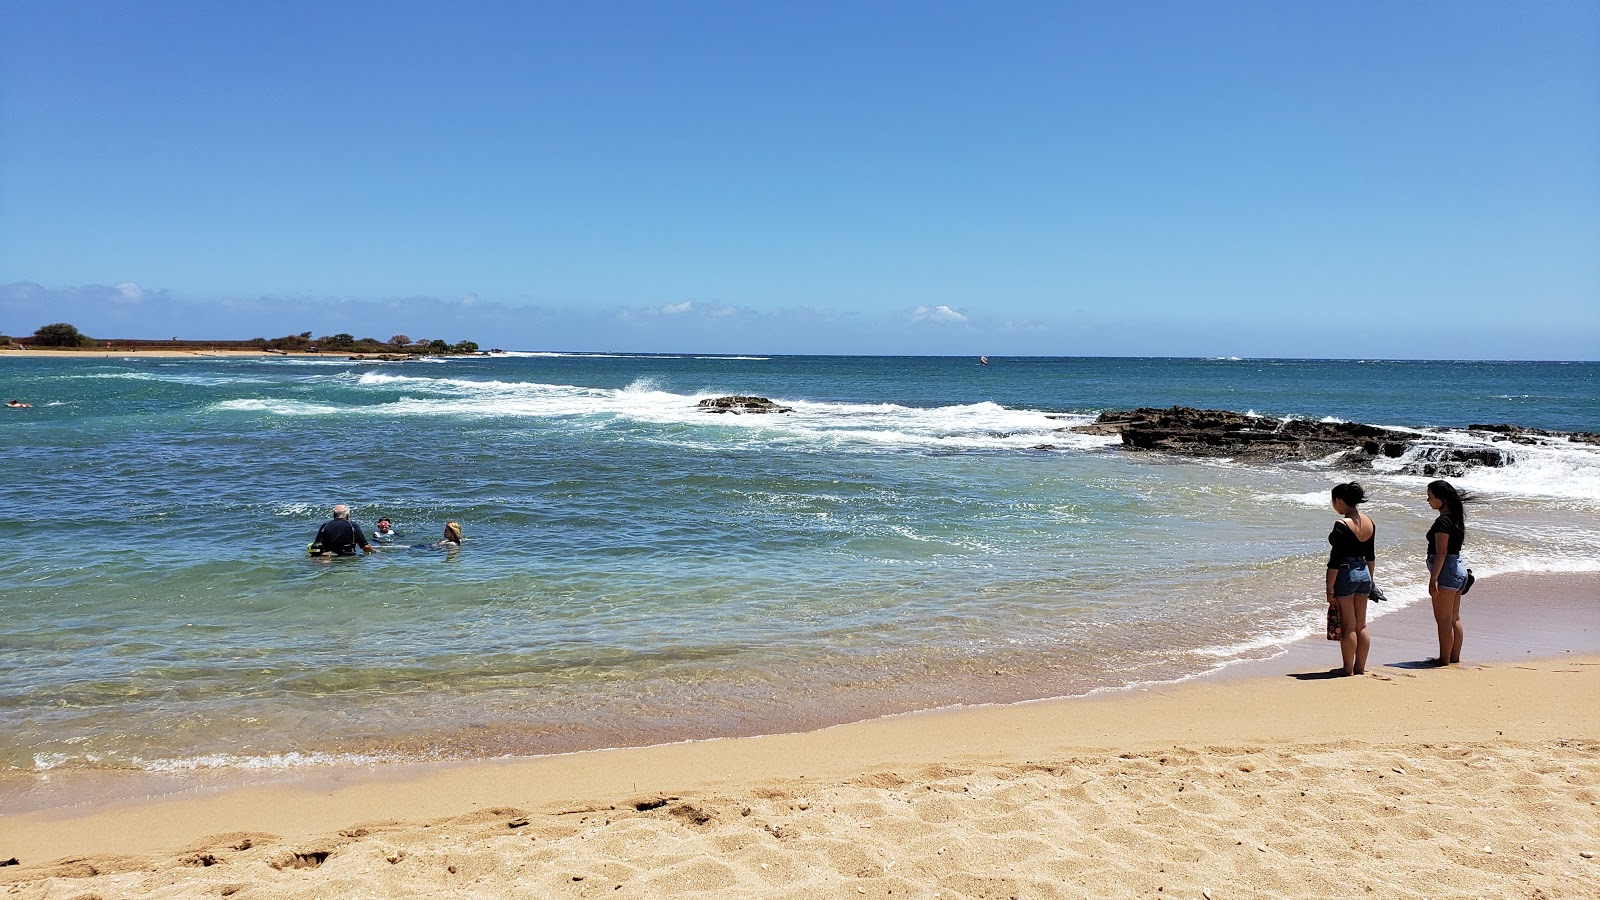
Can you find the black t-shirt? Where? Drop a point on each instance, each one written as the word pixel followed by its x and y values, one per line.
pixel 1446 525
pixel 1346 544
pixel 341 537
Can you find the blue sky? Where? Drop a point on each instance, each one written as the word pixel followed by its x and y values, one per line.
pixel 1160 178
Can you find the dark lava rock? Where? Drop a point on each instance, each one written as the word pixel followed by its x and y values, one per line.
pixel 1218 432
pixel 1447 461
pixel 742 405
pixel 1521 435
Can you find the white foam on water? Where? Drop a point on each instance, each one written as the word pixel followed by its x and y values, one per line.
pixel 1560 470
pixel 1262 642
pixel 554 354
pixel 885 425
pixel 45 762
pixel 279 407
pixel 264 762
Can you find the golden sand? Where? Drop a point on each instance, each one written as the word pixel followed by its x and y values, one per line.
pixel 1477 781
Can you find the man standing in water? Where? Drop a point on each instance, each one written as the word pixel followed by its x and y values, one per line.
pixel 339 536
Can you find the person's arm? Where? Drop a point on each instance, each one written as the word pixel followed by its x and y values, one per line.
pixel 361 538
pixel 1372 552
pixel 1441 545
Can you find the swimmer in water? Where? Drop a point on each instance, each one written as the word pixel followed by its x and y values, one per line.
pixel 18 404
pixel 452 536
pixel 451 540
pixel 385 532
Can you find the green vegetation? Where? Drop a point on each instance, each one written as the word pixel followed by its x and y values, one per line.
pixel 61 334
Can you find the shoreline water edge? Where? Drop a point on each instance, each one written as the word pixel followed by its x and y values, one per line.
pixel 1232 759
pixel 642 582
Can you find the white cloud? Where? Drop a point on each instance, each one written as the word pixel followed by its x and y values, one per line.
pixel 469 300
pixel 673 309
pixel 128 292
pixel 940 313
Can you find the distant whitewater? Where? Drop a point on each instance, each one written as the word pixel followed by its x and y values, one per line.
pixel 916 532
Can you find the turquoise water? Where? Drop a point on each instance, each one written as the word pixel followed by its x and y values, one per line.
pixel 637 570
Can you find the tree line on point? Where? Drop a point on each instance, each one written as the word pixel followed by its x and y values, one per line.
pixel 60 335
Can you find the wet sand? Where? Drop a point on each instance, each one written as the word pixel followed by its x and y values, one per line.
pixel 1270 780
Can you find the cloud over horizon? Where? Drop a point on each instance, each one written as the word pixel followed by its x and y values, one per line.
pixel 940 313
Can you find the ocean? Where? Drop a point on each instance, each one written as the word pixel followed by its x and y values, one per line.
pixel 636 570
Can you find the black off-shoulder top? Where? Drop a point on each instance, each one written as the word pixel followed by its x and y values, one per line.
pixel 1346 544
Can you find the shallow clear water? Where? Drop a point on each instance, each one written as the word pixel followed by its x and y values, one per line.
pixel 637 570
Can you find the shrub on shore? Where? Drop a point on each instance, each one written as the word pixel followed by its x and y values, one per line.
pixel 60 334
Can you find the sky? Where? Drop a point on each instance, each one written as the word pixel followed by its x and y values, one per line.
pixel 1354 179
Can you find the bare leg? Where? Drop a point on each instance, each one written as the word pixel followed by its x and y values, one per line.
pixel 1458 633
pixel 1447 616
pixel 1358 621
pixel 1349 638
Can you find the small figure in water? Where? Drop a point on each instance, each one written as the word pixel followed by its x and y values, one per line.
pixel 18 404
pixel 385 533
pixel 983 360
pixel 452 536
pixel 450 542
pixel 339 536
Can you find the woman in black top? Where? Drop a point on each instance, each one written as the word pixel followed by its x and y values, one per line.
pixel 1446 574
pixel 1350 565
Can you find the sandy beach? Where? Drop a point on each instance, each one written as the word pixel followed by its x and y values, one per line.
pixel 1482 780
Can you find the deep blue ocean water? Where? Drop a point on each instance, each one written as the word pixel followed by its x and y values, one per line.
pixel 637 570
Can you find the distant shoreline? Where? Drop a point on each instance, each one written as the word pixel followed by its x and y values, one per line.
pixel 14 353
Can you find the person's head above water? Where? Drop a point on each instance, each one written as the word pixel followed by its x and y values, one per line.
pixel 340 511
pixel 452 532
pixel 383 523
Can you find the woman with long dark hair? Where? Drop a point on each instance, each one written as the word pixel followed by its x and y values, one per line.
pixel 1350 564
pixel 1446 573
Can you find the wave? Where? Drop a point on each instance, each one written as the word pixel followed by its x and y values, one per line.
pixel 556 354
pixel 193 380
pixel 45 762
pixel 1561 470
pixel 984 425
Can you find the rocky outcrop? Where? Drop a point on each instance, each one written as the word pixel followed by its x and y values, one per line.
pixel 742 405
pixel 1519 435
pixel 1218 433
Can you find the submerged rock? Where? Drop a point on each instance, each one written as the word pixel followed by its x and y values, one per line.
pixel 742 405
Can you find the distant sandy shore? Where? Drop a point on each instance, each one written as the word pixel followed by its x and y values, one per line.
pixel 1480 780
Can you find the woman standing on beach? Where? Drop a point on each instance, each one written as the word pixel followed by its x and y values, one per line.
pixel 1446 574
pixel 1350 564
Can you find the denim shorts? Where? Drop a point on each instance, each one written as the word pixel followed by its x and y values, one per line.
pixel 1353 578
pixel 1454 573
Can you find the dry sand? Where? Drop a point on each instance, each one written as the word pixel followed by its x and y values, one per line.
pixel 1482 780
